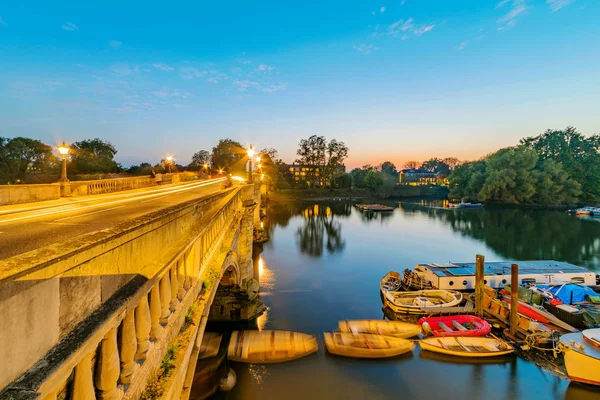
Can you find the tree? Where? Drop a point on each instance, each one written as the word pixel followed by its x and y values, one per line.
pixel 20 156
pixel 142 169
pixel 553 184
pixel 359 174
pixel 230 156
pixel 93 156
pixel 388 168
pixel 452 162
pixel 467 180
pixel 578 155
pixel 271 166
pixel 412 165
pixel 199 159
pixel 312 153
pixel 324 161
pixel 374 180
pixel 436 165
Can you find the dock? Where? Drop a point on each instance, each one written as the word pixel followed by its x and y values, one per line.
pixel 373 207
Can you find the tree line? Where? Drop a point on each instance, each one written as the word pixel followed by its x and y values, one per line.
pixel 556 167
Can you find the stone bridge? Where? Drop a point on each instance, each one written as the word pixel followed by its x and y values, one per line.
pixel 95 318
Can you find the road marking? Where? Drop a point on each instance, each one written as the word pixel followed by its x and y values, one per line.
pixel 145 201
pixel 172 190
pixel 85 215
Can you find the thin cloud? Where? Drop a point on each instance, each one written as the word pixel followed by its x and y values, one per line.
pixel 115 44
pixel 510 18
pixel 402 2
pixel 265 67
pixel 556 5
pixel 274 88
pixel 212 79
pixel 404 27
pixel 365 49
pixel 423 29
pixel 382 10
pixel 69 26
pixel 243 85
pixel 169 93
pixel 3 22
pixel 191 73
pixel 463 45
pixel 124 69
pixel 163 67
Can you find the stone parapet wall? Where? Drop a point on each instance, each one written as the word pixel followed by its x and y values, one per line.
pixel 16 194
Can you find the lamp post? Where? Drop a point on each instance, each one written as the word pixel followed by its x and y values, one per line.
pixel 251 153
pixel 169 162
pixel 63 149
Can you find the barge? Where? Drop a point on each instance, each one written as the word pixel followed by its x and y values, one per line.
pixel 461 276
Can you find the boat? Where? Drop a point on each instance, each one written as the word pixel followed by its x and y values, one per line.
pixel 380 327
pixel 461 276
pixel 527 310
pixel 421 301
pixel 591 211
pixel 582 356
pixel 269 346
pixel 465 205
pixel 366 345
pixel 467 346
pixel 413 281
pixel 457 325
pixel 391 281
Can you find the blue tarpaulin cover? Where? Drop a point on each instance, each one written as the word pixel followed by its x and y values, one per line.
pixel 569 293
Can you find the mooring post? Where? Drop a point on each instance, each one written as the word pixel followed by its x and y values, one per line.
pixel 514 299
pixel 479 284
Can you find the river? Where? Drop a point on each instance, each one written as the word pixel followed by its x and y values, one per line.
pixel 324 262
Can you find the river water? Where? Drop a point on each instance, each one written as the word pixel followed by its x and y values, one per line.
pixel 324 262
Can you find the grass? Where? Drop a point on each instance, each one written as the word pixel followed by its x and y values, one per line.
pixel 155 388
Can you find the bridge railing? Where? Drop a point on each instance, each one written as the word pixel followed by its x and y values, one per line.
pixel 119 347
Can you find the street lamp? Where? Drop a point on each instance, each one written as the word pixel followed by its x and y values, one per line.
pixel 169 162
pixel 251 153
pixel 63 149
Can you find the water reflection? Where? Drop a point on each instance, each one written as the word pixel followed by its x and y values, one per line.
pixel 320 230
pixel 522 234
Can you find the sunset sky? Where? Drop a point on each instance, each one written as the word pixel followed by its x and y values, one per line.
pixel 395 80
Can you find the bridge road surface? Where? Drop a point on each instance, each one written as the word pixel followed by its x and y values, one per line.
pixel 29 226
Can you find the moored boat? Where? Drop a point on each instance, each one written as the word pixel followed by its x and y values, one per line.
pixel 421 301
pixel 582 357
pixel 413 281
pixel 465 205
pixel 366 345
pixel 380 327
pixel 456 325
pixel 391 281
pixel 467 346
pixel 527 310
pixel 270 346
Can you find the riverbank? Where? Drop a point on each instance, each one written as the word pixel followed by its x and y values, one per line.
pixel 398 192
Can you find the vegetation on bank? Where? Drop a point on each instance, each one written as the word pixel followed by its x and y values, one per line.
pixel 556 167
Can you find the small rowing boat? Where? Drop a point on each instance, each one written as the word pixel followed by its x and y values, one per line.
pixel 467 346
pixel 527 310
pixel 365 345
pixel 380 327
pixel 270 346
pixel 457 325
pixel 421 301
pixel 391 281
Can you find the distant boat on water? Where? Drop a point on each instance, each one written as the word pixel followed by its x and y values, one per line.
pixel 465 205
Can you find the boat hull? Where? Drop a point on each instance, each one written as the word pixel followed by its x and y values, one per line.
pixel 444 345
pixel 263 347
pixel 379 327
pixel 483 328
pixel 582 364
pixel 366 345
pixel 398 302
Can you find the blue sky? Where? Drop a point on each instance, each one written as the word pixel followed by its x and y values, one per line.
pixel 395 80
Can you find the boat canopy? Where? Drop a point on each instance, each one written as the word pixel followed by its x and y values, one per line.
pixel 568 293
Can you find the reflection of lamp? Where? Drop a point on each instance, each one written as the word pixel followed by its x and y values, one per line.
pixel 251 153
pixel 63 149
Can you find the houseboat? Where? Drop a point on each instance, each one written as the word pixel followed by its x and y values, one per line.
pixel 461 276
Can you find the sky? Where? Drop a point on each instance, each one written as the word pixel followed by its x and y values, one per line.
pixel 395 80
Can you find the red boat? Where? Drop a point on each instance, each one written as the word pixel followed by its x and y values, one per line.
pixel 528 311
pixel 455 325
